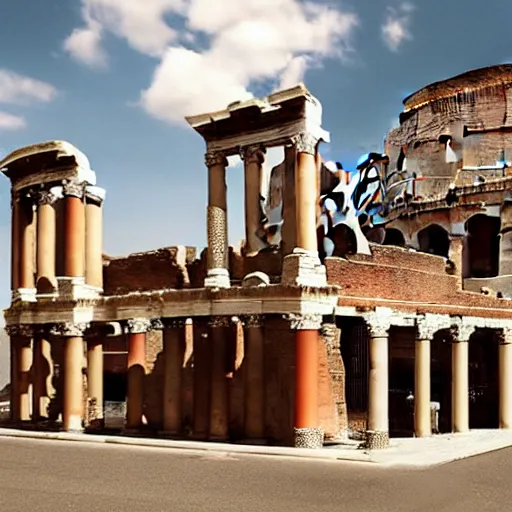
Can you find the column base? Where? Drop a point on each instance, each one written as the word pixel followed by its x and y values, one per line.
pixel 303 268
pixel 75 288
pixel 376 440
pixel 24 295
pixel 308 437
pixel 217 278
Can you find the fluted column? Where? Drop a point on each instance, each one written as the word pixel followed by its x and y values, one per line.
pixel 218 270
pixel 174 360
pixel 422 420
pixel 26 226
pixel 73 400
pixel 307 430
pixel 254 377
pixel 46 241
pixel 94 236
pixel 137 329
pixel 306 187
pixel 460 378
pixel 74 229
pixel 43 375
pixel 505 378
pixel 95 379
pixel 253 157
pixel 377 435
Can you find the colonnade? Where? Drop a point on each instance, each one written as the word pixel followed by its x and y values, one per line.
pixel 37 248
pixel 306 198
pixel 378 416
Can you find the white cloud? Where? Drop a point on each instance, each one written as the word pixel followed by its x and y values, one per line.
pixel 10 122
pixel 244 43
pixel 396 27
pixel 19 89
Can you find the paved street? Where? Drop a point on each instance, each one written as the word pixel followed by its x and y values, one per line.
pixel 44 476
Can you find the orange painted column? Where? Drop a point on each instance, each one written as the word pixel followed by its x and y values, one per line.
pixel 74 363
pixel 74 229
pixel 46 240
pixel 94 237
pixel 307 432
pixel 26 226
pixel 137 329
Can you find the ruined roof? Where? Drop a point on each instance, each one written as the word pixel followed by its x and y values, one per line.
pixel 465 82
pixel 46 162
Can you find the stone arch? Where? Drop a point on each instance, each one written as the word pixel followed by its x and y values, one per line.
pixel 483 245
pixel 434 239
pixel 394 237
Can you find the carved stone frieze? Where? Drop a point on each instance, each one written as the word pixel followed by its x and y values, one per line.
pixel 304 321
pixel 215 158
pixel 68 329
pixel 253 154
pixel 305 142
pixel 73 188
pixel 138 325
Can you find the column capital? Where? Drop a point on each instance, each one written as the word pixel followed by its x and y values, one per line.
pixel 73 188
pixel 69 329
pixel 462 332
pixel 253 154
pixel 426 328
pixel 253 321
pixel 138 325
pixel 45 197
pixel 25 330
pixel 95 194
pixel 212 158
pixel 304 321
pixel 378 326
pixel 505 336
pixel 305 142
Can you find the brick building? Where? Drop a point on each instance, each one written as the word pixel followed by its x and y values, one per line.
pixel 276 343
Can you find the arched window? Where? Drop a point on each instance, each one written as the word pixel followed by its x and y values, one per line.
pixel 394 237
pixel 434 239
pixel 483 245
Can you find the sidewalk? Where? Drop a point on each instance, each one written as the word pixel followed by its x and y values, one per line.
pixel 417 453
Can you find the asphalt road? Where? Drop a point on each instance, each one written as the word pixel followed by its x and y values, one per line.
pixel 44 476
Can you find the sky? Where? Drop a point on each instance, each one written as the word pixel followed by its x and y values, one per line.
pixel 116 78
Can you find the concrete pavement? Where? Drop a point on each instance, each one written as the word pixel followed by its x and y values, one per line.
pixel 84 477
pixel 410 452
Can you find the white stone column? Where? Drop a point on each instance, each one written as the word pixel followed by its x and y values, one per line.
pixel 460 378
pixel 377 434
pixel 253 157
pixel 422 420
pixel 505 378
pixel 218 265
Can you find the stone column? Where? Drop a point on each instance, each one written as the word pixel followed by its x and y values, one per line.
pixel 74 229
pixel 218 269
pixel 95 380
pixel 21 381
pixel 307 431
pixel 43 375
pixel 15 240
pixel 137 329
pixel 174 360
pixel 26 226
pixel 460 379
pixel 377 435
pixel 46 241
pixel 505 376
pixel 506 239
pixel 254 357
pixel 306 192
pixel 73 399
pixel 94 237
pixel 253 158
pixel 422 420
pixel 220 329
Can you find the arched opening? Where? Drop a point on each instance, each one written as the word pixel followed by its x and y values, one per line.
pixel 394 237
pixel 483 246
pixel 434 239
pixel 344 239
pixel 441 379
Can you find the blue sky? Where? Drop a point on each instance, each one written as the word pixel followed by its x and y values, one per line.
pixel 114 77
